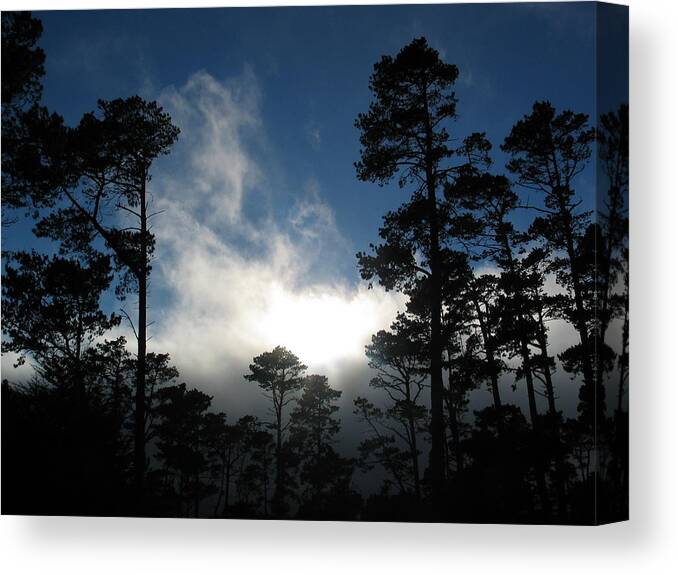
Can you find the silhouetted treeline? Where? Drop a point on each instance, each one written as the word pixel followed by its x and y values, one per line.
pixel 98 430
pixel 551 260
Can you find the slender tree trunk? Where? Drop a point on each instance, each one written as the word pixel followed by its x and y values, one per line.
pixel 527 368
pixel 489 355
pixel 523 333
pixel 548 381
pixel 529 381
pixel 553 412
pixel 582 328
pixel 140 396
pixel 542 340
pixel 437 459
pixel 437 429
pixel 454 424
pixel 414 452
pixel 540 471
pixel 559 190
pixel 277 495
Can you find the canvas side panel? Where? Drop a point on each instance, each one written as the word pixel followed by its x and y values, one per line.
pixel 611 329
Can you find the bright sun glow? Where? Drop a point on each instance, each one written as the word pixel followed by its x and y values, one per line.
pixel 322 327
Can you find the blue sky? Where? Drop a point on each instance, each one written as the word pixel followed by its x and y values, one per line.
pixel 312 67
pixel 313 64
pixel 262 183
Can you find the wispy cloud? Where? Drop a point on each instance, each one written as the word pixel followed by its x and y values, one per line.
pixel 211 166
pixel 314 135
pixel 233 287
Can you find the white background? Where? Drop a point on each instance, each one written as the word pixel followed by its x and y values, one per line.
pixel 646 544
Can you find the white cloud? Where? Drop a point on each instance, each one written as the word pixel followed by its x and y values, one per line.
pixel 211 164
pixel 235 288
pixel 313 219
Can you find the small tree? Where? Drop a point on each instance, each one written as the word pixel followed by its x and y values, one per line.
pixel 160 373
pixel 181 443
pixel 483 293
pixel 313 432
pixel 229 446
pixel 51 312
pixel 400 360
pixel 110 370
pixel 279 373
pixel 382 448
pixel 254 469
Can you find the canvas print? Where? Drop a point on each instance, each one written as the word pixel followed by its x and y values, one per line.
pixel 362 263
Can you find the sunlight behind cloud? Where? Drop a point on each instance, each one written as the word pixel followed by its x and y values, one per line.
pixel 233 287
pixel 323 326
